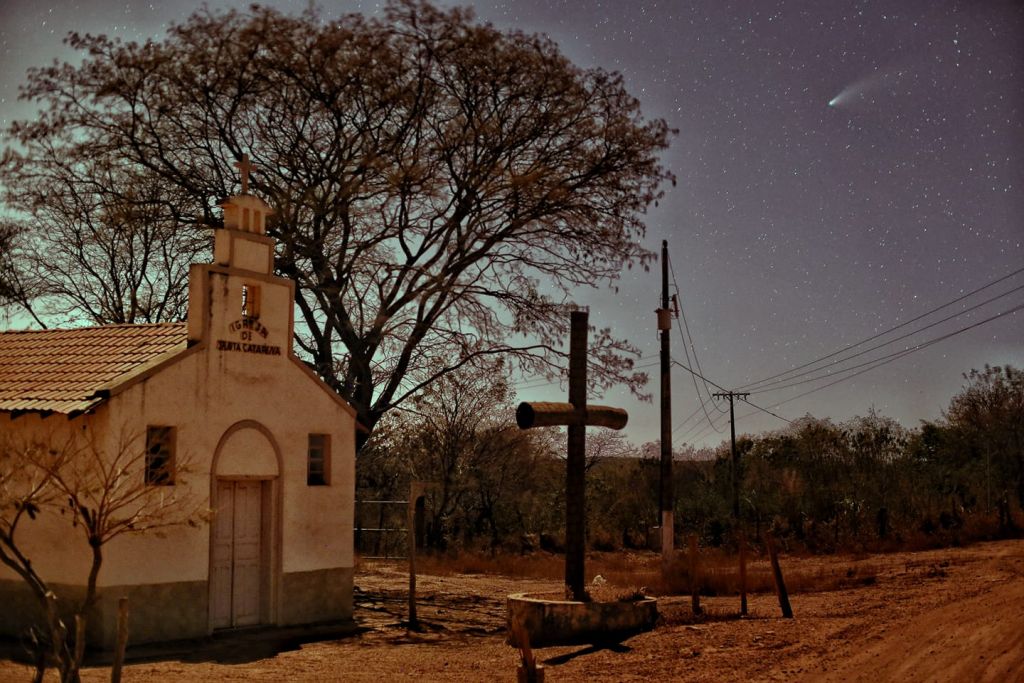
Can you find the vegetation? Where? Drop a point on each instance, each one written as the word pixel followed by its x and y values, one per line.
pixel 428 173
pixel 867 483
pixel 99 496
pixel 641 572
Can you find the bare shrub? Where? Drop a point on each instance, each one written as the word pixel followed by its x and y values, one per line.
pixel 101 494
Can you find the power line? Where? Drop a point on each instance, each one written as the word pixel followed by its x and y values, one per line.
pixel 761 387
pixel 688 336
pixel 696 374
pixel 687 419
pixel 885 332
pixel 765 410
pixel 885 360
pixel 878 362
pixel 686 351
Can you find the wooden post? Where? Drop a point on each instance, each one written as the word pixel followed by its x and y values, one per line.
pixel 79 640
pixel 415 494
pixel 529 670
pixel 122 640
pixel 575 485
pixel 694 576
pixel 780 585
pixel 742 542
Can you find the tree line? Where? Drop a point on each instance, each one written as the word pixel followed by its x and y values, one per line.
pixel 865 483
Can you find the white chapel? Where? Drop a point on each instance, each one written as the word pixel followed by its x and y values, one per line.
pixel 270 448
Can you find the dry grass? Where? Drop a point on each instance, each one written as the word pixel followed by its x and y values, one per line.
pixel 535 565
pixel 718 574
pixel 634 573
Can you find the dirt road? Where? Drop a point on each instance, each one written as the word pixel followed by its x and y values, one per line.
pixel 947 615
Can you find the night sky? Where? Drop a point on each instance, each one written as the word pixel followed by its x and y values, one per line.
pixel 843 168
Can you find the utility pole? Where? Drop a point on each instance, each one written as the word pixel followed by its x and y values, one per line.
pixel 665 496
pixel 731 395
pixel 741 541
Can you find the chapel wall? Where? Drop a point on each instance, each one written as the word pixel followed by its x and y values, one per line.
pixel 58 550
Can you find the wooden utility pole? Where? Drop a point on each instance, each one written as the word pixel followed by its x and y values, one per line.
pixel 665 497
pixel 731 395
pixel 741 540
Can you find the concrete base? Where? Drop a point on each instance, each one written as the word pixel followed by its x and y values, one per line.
pixel 566 622
pixel 175 611
pixel 316 596
pixel 164 611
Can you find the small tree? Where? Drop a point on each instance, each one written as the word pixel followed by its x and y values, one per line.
pixel 101 494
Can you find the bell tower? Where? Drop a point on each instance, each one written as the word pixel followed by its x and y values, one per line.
pixel 236 303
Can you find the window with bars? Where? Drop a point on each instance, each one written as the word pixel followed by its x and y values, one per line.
pixel 160 446
pixel 318 461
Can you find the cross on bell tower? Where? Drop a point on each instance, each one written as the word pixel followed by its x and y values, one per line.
pixel 245 167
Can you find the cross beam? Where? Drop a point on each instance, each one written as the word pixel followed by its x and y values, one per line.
pixel 538 414
pixel 577 416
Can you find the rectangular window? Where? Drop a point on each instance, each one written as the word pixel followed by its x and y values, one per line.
pixel 160 443
pixel 250 301
pixel 318 462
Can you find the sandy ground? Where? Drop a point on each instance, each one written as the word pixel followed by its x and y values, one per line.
pixel 946 615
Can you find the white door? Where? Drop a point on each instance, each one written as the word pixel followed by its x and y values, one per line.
pixel 236 573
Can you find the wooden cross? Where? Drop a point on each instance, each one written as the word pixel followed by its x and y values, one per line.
pixel 577 415
pixel 245 166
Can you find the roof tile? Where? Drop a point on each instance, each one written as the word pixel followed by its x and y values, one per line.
pixel 61 370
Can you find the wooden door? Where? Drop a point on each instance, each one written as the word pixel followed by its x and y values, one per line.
pixel 236 574
pixel 248 523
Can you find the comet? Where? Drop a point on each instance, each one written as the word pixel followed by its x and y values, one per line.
pixel 867 84
pixel 846 95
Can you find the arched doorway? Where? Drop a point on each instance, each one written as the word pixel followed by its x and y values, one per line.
pixel 244 533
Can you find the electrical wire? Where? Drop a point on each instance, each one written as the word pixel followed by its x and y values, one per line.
pixel 887 331
pixel 687 338
pixel 885 360
pixel 758 388
pixel 871 365
pixel 765 410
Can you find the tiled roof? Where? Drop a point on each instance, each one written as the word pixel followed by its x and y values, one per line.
pixel 69 371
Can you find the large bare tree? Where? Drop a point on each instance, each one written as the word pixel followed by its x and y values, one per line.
pixel 102 244
pixel 442 187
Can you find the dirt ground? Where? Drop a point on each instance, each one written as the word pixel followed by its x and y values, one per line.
pixel 943 615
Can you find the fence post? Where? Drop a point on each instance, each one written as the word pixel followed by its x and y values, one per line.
pixel 780 585
pixel 122 640
pixel 742 542
pixel 416 489
pixel 529 671
pixel 694 576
